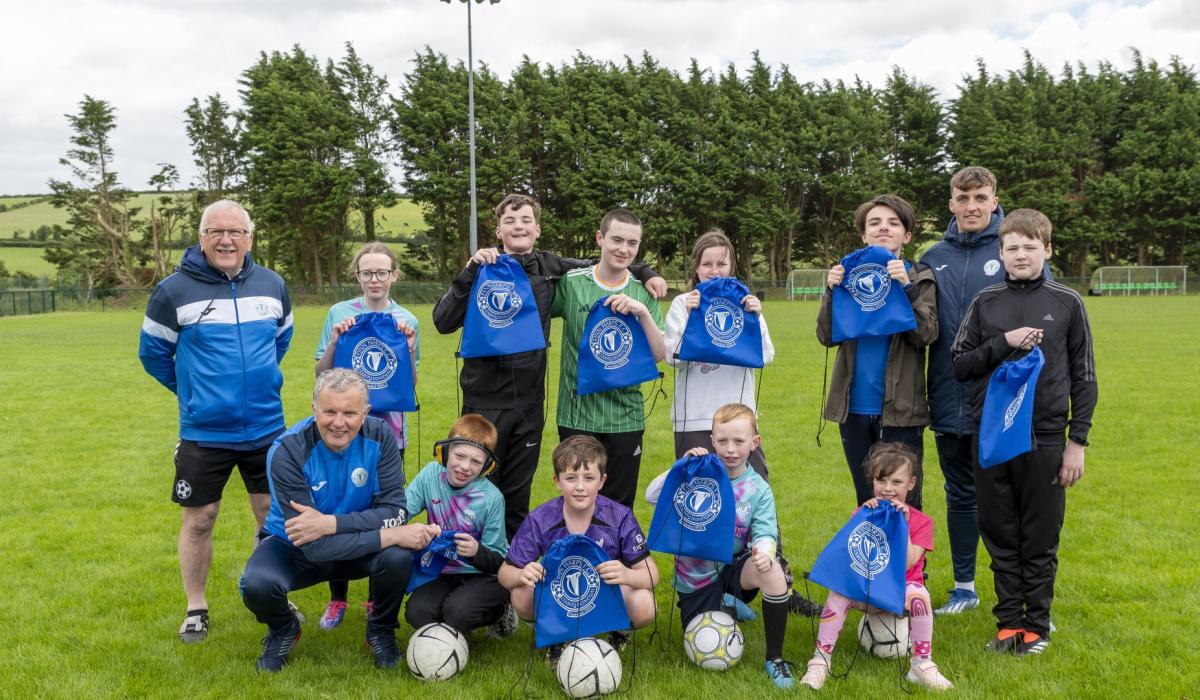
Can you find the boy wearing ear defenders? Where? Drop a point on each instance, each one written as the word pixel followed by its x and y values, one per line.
pixel 452 490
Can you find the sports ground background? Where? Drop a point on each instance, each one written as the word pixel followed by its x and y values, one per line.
pixel 91 599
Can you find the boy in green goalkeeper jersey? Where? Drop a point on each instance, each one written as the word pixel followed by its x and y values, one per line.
pixel 614 417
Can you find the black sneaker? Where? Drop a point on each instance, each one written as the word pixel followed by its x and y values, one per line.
pixel 1032 643
pixel 383 644
pixel 1005 641
pixel 277 646
pixel 195 627
pixel 553 654
pixel 618 640
pixel 799 605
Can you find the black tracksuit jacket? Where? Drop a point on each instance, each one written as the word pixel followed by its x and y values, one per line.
pixel 1066 392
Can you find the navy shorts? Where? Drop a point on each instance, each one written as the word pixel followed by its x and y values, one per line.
pixel 201 472
pixel 708 599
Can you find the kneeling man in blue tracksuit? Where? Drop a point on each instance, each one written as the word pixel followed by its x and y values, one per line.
pixel 337 512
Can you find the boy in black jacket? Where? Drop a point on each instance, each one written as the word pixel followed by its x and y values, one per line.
pixel 509 390
pixel 1022 502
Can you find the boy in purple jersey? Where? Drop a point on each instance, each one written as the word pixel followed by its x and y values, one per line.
pixel 453 492
pixel 579 472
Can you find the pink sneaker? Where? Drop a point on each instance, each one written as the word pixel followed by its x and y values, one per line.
pixel 334 612
pixel 370 606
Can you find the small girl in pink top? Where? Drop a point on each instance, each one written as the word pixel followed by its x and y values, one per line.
pixel 894 469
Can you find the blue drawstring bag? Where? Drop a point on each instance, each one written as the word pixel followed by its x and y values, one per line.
pixel 502 313
pixel 719 331
pixel 1006 424
pixel 865 560
pixel 868 303
pixel 573 602
pixel 429 561
pixel 613 352
pixel 696 513
pixel 377 352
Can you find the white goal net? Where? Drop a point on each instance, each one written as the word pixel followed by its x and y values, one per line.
pixel 1139 281
pixel 806 284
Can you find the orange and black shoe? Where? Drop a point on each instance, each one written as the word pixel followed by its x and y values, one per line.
pixel 1032 643
pixel 1006 640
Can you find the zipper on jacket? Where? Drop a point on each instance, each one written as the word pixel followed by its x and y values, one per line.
pixel 237 321
pixel 962 307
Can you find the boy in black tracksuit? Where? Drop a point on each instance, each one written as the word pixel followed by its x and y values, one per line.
pixel 1022 502
pixel 509 390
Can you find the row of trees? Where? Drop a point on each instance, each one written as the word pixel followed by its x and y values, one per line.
pixel 777 162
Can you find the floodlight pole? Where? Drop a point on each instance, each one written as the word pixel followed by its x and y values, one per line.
pixel 471 131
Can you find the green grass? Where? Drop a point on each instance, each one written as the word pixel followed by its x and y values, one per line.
pixel 10 201
pixel 403 218
pixel 27 260
pixel 93 601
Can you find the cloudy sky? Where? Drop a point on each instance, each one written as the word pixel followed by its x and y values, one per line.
pixel 149 58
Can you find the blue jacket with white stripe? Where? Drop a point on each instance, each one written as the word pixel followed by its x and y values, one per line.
pixel 216 343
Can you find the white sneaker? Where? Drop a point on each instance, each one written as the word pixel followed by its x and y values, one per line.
pixel 817 673
pixel 927 674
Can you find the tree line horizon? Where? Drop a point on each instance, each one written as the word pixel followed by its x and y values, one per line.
pixel 1111 156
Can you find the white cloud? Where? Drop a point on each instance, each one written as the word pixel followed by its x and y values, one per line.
pixel 150 58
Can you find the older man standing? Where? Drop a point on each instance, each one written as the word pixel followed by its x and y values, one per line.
pixel 214 334
pixel 337 513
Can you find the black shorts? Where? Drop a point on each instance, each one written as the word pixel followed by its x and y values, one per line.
pixel 201 472
pixel 708 599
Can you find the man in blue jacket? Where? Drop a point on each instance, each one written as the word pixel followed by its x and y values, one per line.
pixel 966 260
pixel 214 334
pixel 337 512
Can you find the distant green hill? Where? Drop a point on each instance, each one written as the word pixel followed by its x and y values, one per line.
pixel 405 218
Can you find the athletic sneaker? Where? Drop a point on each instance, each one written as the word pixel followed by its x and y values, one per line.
pixel 277 646
pixel 370 606
pixel 296 611
pixel 961 600
pixel 334 612
pixel 799 605
pixel 383 643
pixel 741 611
pixel 927 674
pixel 618 640
pixel 780 673
pixel 195 627
pixel 1005 641
pixel 1032 643
pixel 553 654
pixel 506 625
pixel 817 673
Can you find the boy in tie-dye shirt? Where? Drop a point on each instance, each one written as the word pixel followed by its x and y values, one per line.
pixel 701 583
pixel 456 497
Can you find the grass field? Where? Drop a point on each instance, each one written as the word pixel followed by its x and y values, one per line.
pixel 404 218
pixel 27 260
pixel 92 597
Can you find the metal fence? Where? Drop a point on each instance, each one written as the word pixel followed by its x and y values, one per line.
pixel 20 302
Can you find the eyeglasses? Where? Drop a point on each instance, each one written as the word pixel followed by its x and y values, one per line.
pixel 368 275
pixel 236 234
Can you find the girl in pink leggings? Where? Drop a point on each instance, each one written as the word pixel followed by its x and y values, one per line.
pixel 893 468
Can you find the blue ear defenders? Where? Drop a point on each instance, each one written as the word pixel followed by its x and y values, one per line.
pixel 441 450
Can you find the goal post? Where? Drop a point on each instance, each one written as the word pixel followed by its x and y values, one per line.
pixel 1135 280
pixel 806 284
